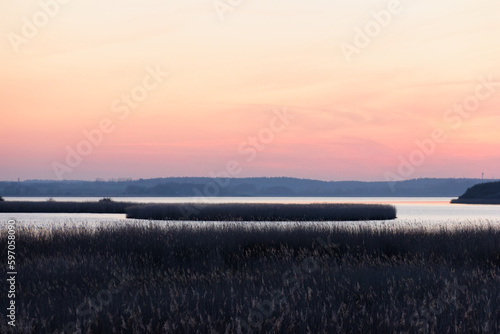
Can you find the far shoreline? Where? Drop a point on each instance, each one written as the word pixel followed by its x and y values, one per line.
pixel 481 201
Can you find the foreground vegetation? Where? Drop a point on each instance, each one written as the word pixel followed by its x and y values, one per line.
pixel 262 212
pixel 255 277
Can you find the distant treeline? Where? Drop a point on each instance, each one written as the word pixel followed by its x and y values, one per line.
pixel 484 193
pixel 258 186
pixel 262 212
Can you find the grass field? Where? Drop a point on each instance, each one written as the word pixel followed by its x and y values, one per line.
pixel 255 278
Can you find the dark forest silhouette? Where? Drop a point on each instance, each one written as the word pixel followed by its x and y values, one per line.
pixel 259 186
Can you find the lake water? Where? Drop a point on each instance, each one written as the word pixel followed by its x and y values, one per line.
pixel 412 212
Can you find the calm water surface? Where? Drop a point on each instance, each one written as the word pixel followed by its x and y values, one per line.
pixel 412 211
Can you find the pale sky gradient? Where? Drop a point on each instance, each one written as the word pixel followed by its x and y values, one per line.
pixel 354 120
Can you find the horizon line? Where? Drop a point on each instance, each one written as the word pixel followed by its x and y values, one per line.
pixel 130 179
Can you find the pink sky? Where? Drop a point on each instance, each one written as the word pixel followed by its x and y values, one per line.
pixel 350 115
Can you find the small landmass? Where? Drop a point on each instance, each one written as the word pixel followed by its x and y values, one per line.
pixel 483 193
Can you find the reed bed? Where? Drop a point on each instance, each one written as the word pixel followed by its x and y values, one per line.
pixel 262 212
pixel 159 277
pixel 52 206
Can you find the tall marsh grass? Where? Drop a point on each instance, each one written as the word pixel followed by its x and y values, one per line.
pixel 267 278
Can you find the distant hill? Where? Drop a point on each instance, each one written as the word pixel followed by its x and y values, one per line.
pixel 483 193
pixel 241 187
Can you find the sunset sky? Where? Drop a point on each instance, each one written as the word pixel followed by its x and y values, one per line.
pixel 331 90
